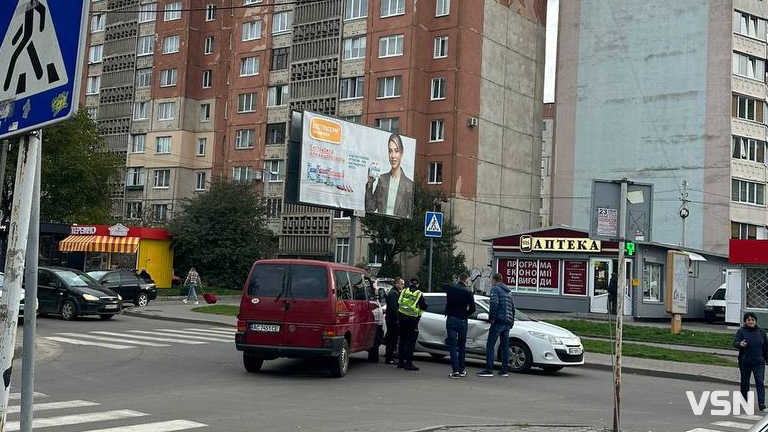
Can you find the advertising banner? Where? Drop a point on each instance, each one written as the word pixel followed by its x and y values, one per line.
pixel 353 167
pixel 575 280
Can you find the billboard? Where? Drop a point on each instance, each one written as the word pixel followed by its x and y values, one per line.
pixel 353 167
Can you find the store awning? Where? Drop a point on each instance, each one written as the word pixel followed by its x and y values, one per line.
pixel 78 243
pixel 695 257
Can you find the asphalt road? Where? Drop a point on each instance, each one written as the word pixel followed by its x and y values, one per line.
pixel 203 386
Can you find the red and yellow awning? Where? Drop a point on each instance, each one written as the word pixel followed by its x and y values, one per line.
pixel 96 243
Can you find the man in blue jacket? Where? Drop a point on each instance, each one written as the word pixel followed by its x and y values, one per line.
pixel 502 318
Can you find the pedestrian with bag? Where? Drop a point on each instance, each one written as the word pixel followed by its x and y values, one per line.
pixel 752 344
pixel 390 340
pixel 460 304
pixel 502 318
pixel 192 281
pixel 411 305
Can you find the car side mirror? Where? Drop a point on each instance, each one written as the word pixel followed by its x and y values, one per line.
pixel 483 316
pixel 709 297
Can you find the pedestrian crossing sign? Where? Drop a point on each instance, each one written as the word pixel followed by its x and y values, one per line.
pixel 433 224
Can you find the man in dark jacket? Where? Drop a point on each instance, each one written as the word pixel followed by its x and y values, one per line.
pixel 459 305
pixel 390 340
pixel 612 290
pixel 502 318
pixel 752 344
pixel 411 305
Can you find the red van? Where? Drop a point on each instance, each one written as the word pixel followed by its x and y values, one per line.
pixel 304 308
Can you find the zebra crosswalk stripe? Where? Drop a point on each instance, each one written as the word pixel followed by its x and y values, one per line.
pixel 81 342
pixel 17 396
pixel 748 417
pixel 733 424
pixel 182 334
pixel 53 405
pixel 213 332
pixel 76 419
pixel 165 426
pixel 704 430
pixel 112 339
pixel 151 338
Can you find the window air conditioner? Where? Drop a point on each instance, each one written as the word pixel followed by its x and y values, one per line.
pixel 472 122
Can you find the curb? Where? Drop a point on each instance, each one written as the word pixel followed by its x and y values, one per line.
pixel 718 351
pixel 661 374
pixel 500 425
pixel 184 320
pixel 164 298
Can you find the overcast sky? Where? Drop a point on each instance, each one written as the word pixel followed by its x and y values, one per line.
pixel 551 51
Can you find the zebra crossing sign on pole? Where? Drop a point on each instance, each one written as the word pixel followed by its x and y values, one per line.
pixel 41 62
pixel 433 224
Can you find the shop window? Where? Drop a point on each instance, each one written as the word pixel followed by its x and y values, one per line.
pixel 531 275
pixel 757 288
pixel 652 274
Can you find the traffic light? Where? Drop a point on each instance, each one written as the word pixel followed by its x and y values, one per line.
pixel 629 248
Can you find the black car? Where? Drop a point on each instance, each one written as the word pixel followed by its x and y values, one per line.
pixel 127 284
pixel 72 293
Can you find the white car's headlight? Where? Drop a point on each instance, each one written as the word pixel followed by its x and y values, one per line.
pixel 90 297
pixel 549 338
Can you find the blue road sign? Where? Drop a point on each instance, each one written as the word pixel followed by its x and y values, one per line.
pixel 433 224
pixel 41 61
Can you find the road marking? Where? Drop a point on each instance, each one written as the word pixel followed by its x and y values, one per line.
pixel 76 419
pixel 53 406
pixel 166 426
pixel 214 332
pixel 110 339
pixel 157 339
pixel 79 342
pixel 748 417
pixel 17 396
pixel 733 424
pixel 704 430
pixel 180 333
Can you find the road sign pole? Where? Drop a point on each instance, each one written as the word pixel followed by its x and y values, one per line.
pixel 621 289
pixel 429 274
pixel 14 264
pixel 30 315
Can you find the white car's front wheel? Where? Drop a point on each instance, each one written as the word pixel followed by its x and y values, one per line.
pixel 519 356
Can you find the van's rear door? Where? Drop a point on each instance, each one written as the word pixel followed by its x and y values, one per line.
pixel 309 306
pixel 263 306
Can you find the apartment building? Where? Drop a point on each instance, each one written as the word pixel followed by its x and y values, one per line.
pixel 212 84
pixel 547 161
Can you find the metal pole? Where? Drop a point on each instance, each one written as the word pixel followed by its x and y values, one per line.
pixel 14 264
pixel 621 288
pixel 30 303
pixel 429 274
pixel 3 157
pixel 352 239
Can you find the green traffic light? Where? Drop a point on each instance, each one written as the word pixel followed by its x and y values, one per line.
pixel 630 248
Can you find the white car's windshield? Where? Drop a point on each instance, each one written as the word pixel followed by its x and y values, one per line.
pixel 519 316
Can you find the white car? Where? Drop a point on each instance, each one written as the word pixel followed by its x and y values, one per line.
pixel 531 343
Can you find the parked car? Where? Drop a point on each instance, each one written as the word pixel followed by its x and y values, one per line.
pixel 531 342
pixel 714 308
pixel 72 293
pixel 303 308
pixel 127 284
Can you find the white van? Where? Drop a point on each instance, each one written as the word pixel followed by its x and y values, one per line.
pixel 714 309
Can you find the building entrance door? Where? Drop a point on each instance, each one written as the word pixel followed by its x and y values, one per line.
pixel 600 270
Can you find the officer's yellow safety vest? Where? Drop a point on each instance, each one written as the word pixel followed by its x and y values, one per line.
pixel 408 302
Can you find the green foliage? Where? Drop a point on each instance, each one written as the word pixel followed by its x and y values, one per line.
pixel 227 310
pixel 390 269
pixel 221 232
pixel 656 353
pixel 445 262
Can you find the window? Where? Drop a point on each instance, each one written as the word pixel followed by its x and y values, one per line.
pixel 749 149
pixel 748 25
pixel 374 255
pixel 138 143
pixel 160 212
pixel 748 66
pixel 748 109
pixel 438 89
pixel 200 181
pixel 210 12
pixel 354 48
pixel 343 289
pixel 207 79
pixel 245 138
pixel 392 7
pixel 342 250
pixel 277 96
pixel 340 214
pixel 274 207
pixel 354 9
pixel 246 102
pixel 351 88
pixel 437 130
pixel 247 2
pixel 441 47
pixel 147 12
pixel 171 44
pixel 280 58
pixel 205 112
pixel 353 118
pixel 252 30
pixel 442 8
pixel 275 133
pixel 95 54
pixel 92 85
pixel 143 78
pixel 391 46
pixel 435 173
pixel 168 77
pixel 743 231
pixel 163 145
pixel 97 23
pixel 133 210
pixel 135 177
pixel 274 170
pixel 249 66
pixel 93 112
pixel 747 192
pixel 281 22
pixel 208 45
pixel 757 288
pixel 145 46
pixel 651 282
pixel 242 174
pixel 166 111
pixel 141 110
pixel 162 178
pixel 391 124
pixel 389 87
pixel 201 144
pixel 172 11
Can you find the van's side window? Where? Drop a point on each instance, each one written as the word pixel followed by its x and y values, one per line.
pixel 343 290
pixel 358 289
pixel 268 280
pixel 369 289
pixel 308 282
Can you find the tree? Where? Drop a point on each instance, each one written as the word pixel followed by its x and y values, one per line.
pixel 221 232
pixel 78 174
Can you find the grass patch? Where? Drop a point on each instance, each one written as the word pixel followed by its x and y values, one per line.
pixel 649 352
pixel 648 334
pixel 227 310
pixel 219 291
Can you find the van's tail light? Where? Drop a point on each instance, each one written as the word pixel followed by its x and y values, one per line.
pixel 329 332
pixel 241 326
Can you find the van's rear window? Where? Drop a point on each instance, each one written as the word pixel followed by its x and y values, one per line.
pixel 267 280
pixel 309 282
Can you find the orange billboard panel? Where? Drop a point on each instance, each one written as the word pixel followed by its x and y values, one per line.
pixel 325 130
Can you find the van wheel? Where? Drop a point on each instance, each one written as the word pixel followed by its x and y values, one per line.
pixel 340 363
pixel 68 310
pixel 373 353
pixel 251 362
pixel 519 356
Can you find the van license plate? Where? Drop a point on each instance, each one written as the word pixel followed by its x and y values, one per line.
pixel 265 328
pixel 574 351
pixel 110 306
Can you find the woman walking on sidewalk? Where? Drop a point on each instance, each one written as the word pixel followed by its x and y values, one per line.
pixel 752 344
pixel 192 281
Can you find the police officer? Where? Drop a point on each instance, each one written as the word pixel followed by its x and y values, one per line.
pixel 411 305
pixel 393 306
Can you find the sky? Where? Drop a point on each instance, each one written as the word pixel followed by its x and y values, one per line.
pixel 551 51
